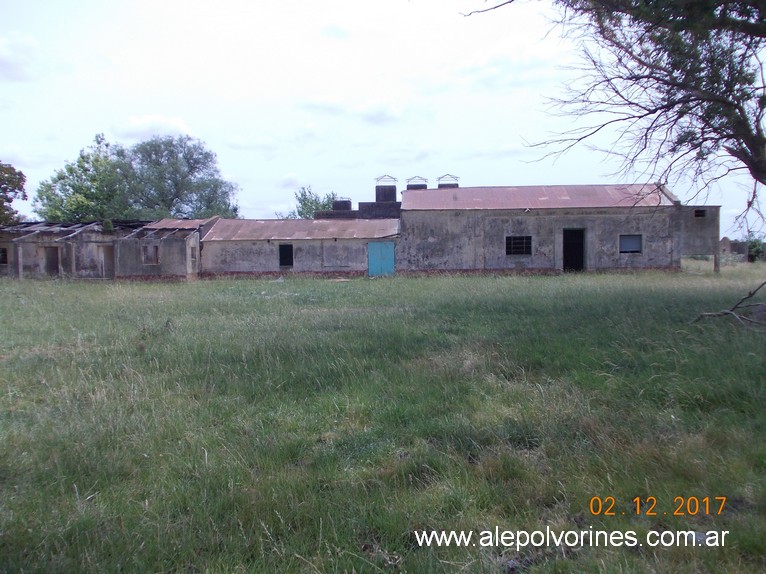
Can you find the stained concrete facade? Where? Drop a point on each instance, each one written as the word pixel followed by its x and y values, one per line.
pixel 529 228
pixel 82 250
pixel 308 246
pixel 477 239
pixel 552 228
pixel 166 249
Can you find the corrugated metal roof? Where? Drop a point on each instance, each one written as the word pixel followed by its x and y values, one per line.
pixel 169 223
pixel 537 197
pixel 296 229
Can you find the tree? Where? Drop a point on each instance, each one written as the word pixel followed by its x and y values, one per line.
pixel 179 177
pixel 308 204
pixel 11 187
pixel 93 187
pixel 161 177
pixel 681 80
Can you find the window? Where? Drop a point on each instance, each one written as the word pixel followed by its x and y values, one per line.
pixel 151 254
pixel 518 245
pixel 630 243
pixel 193 254
pixel 3 256
pixel 286 255
pixel 700 212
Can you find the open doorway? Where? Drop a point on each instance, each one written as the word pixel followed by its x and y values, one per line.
pixel 286 255
pixel 107 261
pixel 574 249
pixel 52 261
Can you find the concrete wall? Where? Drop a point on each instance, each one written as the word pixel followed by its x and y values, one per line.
pixel 39 257
pixel 699 231
pixel 474 239
pixel 320 255
pixel 174 259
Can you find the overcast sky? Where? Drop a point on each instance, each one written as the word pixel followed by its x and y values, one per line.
pixel 288 93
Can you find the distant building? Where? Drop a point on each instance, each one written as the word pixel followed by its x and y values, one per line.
pixel 552 228
pixel 449 228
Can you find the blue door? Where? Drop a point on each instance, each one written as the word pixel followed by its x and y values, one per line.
pixel 380 258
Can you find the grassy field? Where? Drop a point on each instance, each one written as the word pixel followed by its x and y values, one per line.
pixel 310 425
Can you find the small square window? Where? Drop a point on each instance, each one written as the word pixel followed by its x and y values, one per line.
pixel 630 243
pixel 3 256
pixel 700 212
pixel 151 254
pixel 518 245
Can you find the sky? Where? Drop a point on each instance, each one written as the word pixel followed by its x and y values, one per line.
pixel 292 93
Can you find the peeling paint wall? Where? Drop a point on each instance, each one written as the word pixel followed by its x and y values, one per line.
pixel 476 239
pixel 326 255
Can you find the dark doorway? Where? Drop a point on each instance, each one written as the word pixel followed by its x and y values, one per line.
pixel 107 256
pixel 574 249
pixel 52 261
pixel 286 255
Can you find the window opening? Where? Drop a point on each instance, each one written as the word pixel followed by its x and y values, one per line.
pixel 518 245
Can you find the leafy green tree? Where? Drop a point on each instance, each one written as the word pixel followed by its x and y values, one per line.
pixel 680 80
pixel 93 187
pixel 308 203
pixel 754 247
pixel 161 177
pixel 179 177
pixel 12 183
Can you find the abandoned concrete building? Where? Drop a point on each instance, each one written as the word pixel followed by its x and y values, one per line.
pixel 86 250
pixel 169 248
pixel 302 245
pixel 552 228
pixel 449 228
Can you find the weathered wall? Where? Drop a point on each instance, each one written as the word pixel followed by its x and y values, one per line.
pixel 41 256
pixel 476 239
pixel 173 257
pixel 327 255
pixel 699 235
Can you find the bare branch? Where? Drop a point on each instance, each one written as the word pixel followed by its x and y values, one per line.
pixel 736 310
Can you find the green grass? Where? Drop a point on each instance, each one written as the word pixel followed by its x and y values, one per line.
pixel 311 425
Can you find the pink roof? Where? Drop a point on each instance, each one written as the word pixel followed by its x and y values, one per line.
pixel 537 197
pixel 296 229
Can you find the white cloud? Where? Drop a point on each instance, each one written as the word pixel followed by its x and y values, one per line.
pixel 17 58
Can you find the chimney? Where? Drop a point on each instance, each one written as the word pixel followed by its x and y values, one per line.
pixel 447 181
pixel 341 205
pixel 417 182
pixel 385 188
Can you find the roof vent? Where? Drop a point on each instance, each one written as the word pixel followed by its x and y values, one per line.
pixel 417 182
pixel 447 181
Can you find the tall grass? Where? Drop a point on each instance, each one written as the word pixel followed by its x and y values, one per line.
pixel 311 426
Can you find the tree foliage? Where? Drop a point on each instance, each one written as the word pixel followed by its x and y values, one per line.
pixel 681 80
pixel 308 203
pixel 12 183
pixel 160 177
pixel 95 186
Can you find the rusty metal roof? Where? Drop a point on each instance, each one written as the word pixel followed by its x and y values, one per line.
pixel 296 229
pixel 169 223
pixel 537 197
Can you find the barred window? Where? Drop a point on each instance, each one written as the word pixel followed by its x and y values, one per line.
pixel 518 245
